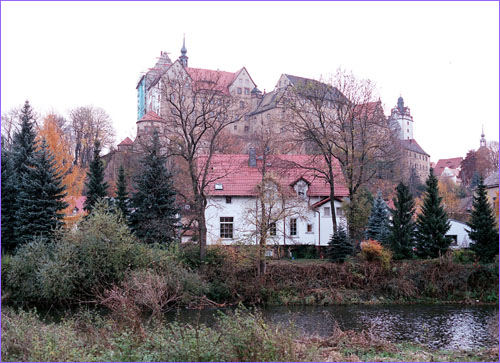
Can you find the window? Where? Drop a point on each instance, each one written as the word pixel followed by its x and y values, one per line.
pixel 340 212
pixel 226 227
pixel 309 228
pixel 235 127
pixel 242 104
pixel 272 229
pixel 239 90
pixel 247 91
pixel 247 128
pixel 269 253
pixel 454 238
pixel 293 227
pixel 228 200
pixel 326 211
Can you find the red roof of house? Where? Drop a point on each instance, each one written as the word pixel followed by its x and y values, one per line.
pixel 126 141
pixel 213 80
pixel 452 163
pixel 76 201
pixel 151 116
pixel 239 179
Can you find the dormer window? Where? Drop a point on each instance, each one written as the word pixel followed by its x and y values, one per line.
pixel 301 188
pixel 218 187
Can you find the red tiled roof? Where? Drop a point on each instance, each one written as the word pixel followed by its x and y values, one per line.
pixel 452 163
pixel 238 179
pixel 76 201
pixel 151 116
pixel 368 109
pixel 207 78
pixel 126 141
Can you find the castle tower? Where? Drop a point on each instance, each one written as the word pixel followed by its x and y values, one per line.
pixel 402 116
pixel 482 142
pixel 184 58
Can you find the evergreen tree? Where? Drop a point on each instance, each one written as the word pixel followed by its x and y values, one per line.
pixel 24 143
pixel 402 230
pixel 475 180
pixel 96 186
pixel 17 163
pixel 154 218
pixel 483 231
pixel 339 246
pixel 8 200
pixel 40 198
pixel 121 193
pixel 432 222
pixel 378 223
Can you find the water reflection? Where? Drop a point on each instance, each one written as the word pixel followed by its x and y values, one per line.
pixel 437 326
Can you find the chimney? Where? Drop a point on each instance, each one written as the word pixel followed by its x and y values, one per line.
pixel 252 159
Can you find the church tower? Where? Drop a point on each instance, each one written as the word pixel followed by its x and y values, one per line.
pixel 184 58
pixel 402 116
pixel 482 142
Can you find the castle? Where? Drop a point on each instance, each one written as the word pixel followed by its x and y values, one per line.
pixel 259 109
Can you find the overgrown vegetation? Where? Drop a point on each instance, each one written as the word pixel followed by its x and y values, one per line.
pixel 238 336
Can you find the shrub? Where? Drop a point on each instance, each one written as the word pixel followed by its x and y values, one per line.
pixel 373 251
pixel 464 256
pixel 23 278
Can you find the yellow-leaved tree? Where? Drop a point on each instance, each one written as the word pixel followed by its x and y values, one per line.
pixel 73 175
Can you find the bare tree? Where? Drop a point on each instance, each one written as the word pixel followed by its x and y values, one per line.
pixel 275 202
pixel 493 155
pixel 88 125
pixel 343 119
pixel 197 107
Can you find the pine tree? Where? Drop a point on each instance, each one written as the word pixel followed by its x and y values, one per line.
pixel 8 200
pixel 402 230
pixel 96 186
pixel 339 246
pixel 23 147
pixel 122 197
pixel 154 218
pixel 378 223
pixel 483 231
pixel 432 222
pixel 40 199
pixel 24 143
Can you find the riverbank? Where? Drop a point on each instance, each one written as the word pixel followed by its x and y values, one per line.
pixel 319 282
pixel 236 336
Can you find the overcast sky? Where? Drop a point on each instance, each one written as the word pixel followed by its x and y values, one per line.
pixel 442 57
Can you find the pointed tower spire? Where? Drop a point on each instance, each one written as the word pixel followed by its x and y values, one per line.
pixel 184 58
pixel 483 139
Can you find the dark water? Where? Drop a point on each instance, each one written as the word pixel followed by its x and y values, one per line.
pixel 436 326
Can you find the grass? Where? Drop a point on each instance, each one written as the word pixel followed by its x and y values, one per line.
pixel 241 336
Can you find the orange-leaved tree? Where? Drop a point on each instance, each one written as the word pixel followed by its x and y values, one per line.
pixel 73 175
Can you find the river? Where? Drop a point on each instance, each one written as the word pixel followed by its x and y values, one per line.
pixel 436 326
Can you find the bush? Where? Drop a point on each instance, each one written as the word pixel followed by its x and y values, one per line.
pixel 98 255
pixel 464 256
pixel 373 251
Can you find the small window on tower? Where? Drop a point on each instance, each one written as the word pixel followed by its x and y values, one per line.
pixel 239 90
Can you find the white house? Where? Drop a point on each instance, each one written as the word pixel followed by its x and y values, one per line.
pixel 458 231
pixel 296 200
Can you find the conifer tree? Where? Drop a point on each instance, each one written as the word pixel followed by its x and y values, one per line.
pixel 339 246
pixel 23 147
pixel 40 199
pixel 432 222
pixel 402 230
pixel 96 186
pixel 378 223
pixel 24 143
pixel 8 200
pixel 483 231
pixel 122 197
pixel 154 219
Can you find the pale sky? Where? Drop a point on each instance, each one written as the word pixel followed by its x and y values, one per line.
pixel 442 57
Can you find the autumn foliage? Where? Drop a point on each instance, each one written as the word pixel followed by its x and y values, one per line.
pixel 73 175
pixel 372 251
